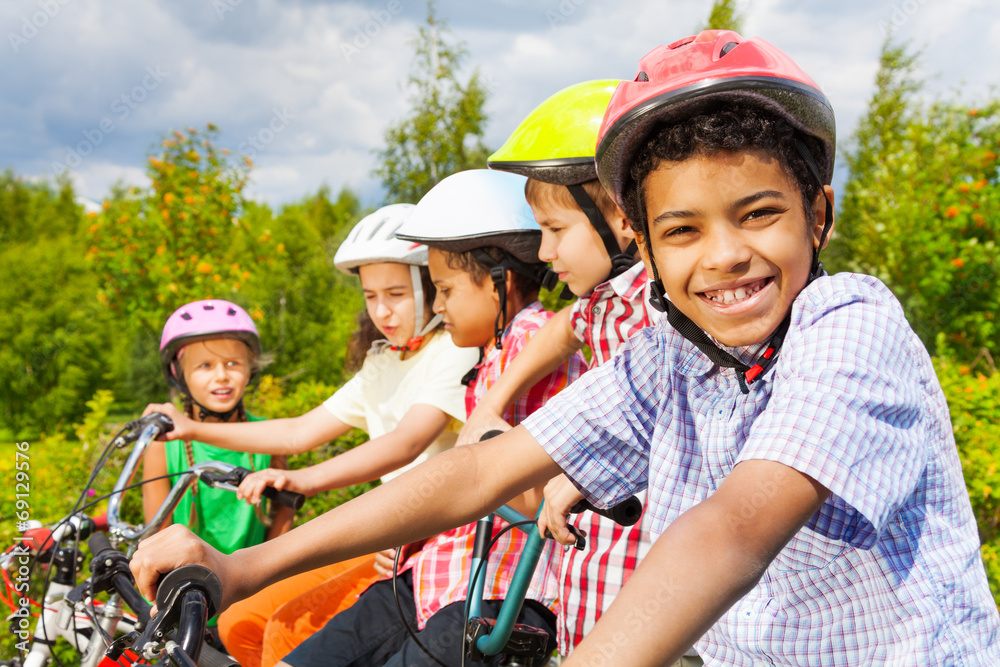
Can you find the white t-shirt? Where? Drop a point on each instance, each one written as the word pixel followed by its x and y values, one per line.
pixel 385 389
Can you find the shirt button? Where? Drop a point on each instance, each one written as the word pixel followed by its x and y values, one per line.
pixel 596 310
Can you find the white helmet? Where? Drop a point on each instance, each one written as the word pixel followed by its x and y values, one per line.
pixel 477 209
pixel 373 240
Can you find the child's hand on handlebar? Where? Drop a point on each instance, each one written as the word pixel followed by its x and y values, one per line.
pixel 183 426
pixel 172 548
pixel 253 486
pixel 560 496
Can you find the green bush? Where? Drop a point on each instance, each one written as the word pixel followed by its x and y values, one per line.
pixel 974 401
pixel 272 401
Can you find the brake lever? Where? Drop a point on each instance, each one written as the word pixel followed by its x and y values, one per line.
pixel 581 541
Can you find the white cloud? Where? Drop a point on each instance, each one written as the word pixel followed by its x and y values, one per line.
pixel 338 67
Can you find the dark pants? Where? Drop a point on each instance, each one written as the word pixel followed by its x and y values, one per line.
pixel 370 633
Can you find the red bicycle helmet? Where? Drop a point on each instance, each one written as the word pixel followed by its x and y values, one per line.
pixel 679 80
pixel 694 75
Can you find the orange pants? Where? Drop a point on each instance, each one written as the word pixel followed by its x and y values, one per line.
pixel 262 629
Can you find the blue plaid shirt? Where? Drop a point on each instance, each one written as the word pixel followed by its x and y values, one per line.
pixel 888 571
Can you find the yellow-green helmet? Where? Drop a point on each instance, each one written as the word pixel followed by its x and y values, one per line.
pixel 556 143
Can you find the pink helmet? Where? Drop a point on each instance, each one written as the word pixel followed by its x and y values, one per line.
pixel 203 320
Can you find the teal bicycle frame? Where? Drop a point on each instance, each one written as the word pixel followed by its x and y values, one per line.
pixel 494 642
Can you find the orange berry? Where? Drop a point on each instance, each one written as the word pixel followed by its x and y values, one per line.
pixel 958 262
pixel 204 267
pixel 951 212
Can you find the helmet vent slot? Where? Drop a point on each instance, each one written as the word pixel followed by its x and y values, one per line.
pixel 186 316
pixel 377 227
pixel 230 312
pixel 642 76
pixel 729 46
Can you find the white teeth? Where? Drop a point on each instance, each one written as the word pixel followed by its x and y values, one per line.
pixel 732 296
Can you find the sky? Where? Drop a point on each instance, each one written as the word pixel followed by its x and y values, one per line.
pixel 308 87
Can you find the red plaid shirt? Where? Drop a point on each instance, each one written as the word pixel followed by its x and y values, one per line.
pixel 589 580
pixel 442 569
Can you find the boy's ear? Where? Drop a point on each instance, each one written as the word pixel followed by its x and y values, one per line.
pixel 819 216
pixel 622 228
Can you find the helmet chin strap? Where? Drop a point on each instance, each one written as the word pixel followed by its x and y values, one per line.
pixel 621 260
pixel 692 332
pixel 204 412
pixel 498 274
pixel 418 320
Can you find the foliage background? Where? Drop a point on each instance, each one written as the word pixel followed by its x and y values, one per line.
pixel 83 295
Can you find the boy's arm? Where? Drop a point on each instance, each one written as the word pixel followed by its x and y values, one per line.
pixel 549 348
pixel 368 461
pixel 274 436
pixel 704 562
pixel 451 489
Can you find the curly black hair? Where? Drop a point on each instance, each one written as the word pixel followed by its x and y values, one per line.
pixel 723 128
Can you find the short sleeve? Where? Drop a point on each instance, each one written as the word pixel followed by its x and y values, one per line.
pixel 578 319
pixel 599 429
pixel 846 408
pixel 440 382
pixel 347 403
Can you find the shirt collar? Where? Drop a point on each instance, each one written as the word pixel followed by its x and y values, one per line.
pixel 625 284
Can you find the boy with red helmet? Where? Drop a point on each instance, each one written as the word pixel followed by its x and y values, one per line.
pixel 802 476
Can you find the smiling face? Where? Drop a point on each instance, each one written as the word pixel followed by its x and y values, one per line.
pixel 469 310
pixel 216 372
pixel 388 293
pixel 731 241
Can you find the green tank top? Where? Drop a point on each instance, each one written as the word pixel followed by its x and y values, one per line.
pixel 220 519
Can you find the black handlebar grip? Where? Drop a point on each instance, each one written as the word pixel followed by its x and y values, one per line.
pixel 210 657
pixel 99 544
pixel 626 513
pixel 286 498
pixel 198 576
pixel 134 428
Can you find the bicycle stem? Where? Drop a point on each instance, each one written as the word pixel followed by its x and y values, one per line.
pixel 127 532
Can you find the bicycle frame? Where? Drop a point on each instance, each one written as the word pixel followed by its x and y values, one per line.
pixel 61 618
pixel 491 639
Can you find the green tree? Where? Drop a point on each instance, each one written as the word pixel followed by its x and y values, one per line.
pixel 724 16
pixel 157 248
pixel 922 208
pixel 444 133
pixel 304 307
pixel 57 339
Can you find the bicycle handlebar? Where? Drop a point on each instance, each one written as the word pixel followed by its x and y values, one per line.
pixel 215 473
pixel 111 566
pixel 626 513
pixel 235 477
